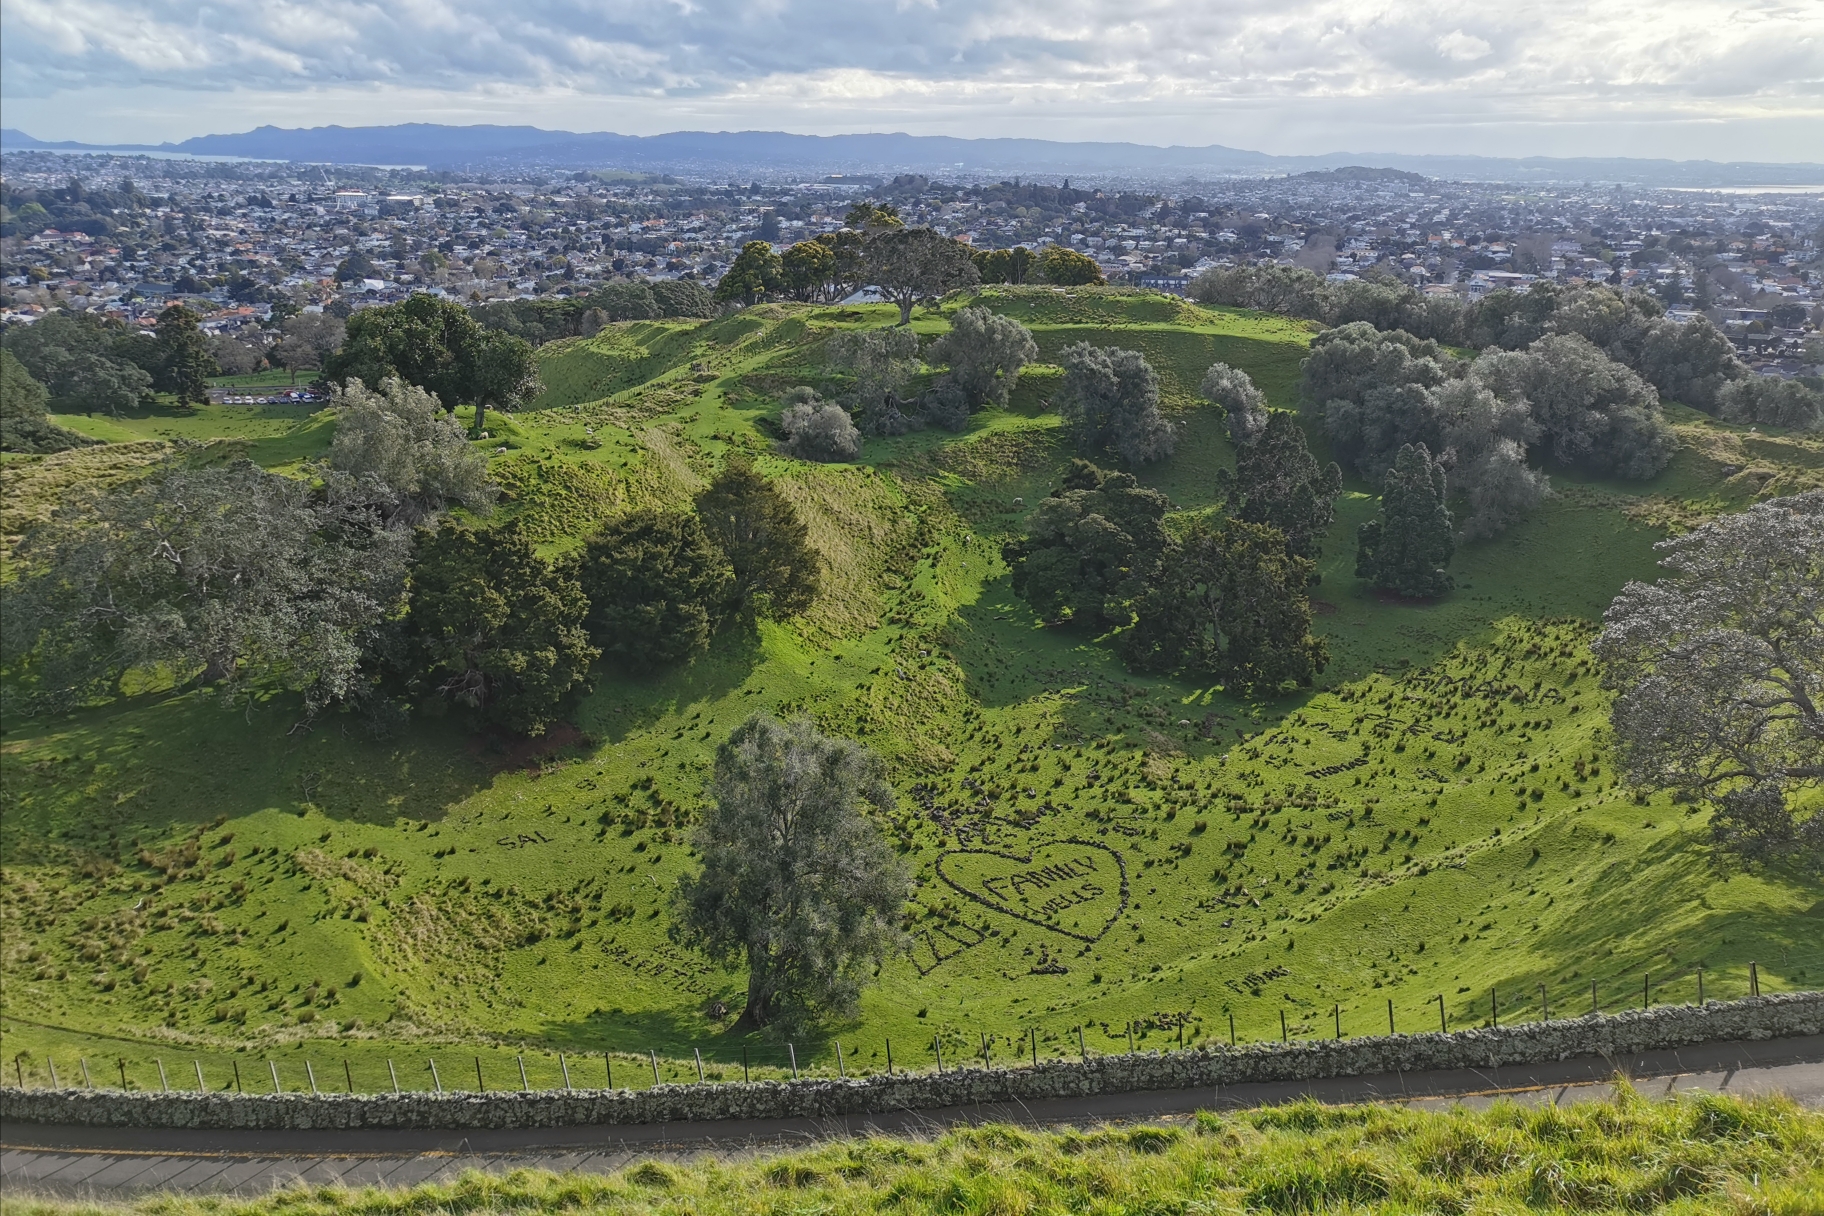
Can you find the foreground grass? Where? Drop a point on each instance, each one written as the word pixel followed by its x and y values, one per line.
pixel 1628 1154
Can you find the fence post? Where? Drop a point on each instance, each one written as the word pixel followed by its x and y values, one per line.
pixel 122 1061
pixel 394 1074
pixel 889 1058
pixel 89 1082
pixel 608 1063
pixel 237 1075
pixel 745 1076
pixel 1130 1038
pixel 937 1049
pixel 436 1081
pixel 1646 990
pixel 655 1065
pixel 348 1074
pixel 984 1038
pixel 1754 979
pixel 1181 1036
pixel 481 1086
pixel 841 1070
pixel 1285 1036
pixel 1390 1030
pixel 1700 985
pixel 1545 1004
pixel 162 1083
pixel 1035 1046
pixel 698 1053
pixel 1336 1011
pixel 19 1071
pixel 1494 1008
pixel 1594 1007
pixel 525 1087
pixel 564 1066
pixel 1231 1028
pixel 1443 1022
pixel 312 1074
pixel 274 1066
pixel 201 1086
pixel 792 1051
pixel 1081 1045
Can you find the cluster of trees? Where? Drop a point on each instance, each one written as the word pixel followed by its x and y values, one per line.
pixel 1380 391
pixel 546 320
pixel 1717 671
pixel 1226 598
pixel 1055 264
pixel 24 407
pixel 437 345
pixel 1690 362
pixel 982 356
pixel 87 363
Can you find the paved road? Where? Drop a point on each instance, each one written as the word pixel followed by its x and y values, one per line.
pixel 78 1161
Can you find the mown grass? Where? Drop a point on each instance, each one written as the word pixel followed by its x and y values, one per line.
pixel 1709 1154
pixel 186 883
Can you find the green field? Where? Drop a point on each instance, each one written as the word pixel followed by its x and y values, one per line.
pixel 1628 1154
pixel 1440 816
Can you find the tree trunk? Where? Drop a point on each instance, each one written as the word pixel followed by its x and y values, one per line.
pixel 759 1002
pixel 905 309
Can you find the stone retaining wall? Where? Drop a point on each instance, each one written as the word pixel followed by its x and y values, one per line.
pixel 1616 1035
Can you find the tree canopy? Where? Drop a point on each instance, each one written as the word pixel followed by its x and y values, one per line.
pixel 657 587
pixel 398 436
pixel 1718 671
pixel 1407 547
pixel 797 882
pixel 1279 483
pixel 816 429
pixel 913 264
pixel 85 363
pixel 985 352
pixel 184 363
pixel 423 340
pixel 1090 547
pixel 24 424
pixel 755 272
pixel 777 573
pixel 1110 400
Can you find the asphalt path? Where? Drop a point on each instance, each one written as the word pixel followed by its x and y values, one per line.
pixel 114 1162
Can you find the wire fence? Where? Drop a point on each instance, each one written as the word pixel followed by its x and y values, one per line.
pixel 947 1048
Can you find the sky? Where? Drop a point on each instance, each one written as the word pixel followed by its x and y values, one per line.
pixel 1684 79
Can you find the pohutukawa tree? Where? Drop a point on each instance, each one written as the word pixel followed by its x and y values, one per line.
pixel 1719 672
pixel 797 882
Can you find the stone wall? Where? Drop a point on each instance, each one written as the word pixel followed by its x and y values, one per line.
pixel 1616 1035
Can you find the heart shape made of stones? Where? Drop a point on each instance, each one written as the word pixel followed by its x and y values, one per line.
pixel 1074 887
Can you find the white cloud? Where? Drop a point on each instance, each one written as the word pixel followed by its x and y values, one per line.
pixel 1411 74
pixel 1462 48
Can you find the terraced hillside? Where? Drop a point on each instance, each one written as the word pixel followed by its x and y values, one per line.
pixel 1440 816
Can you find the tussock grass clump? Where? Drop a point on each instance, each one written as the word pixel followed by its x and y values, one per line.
pixel 1626 1154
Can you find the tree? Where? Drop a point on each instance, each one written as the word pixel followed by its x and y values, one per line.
pixel 1590 409
pixel 682 298
pixel 796 882
pixel 84 362
pixel 1243 404
pixel 818 430
pixel 310 340
pixel 807 268
pixel 1372 390
pixel 1229 602
pixel 503 629
pixel 24 426
pixel 870 217
pixel 1004 265
pixel 1068 268
pixel 657 587
pixel 777 573
pixel 231 577
pixel 423 340
pixel 1089 548
pixel 1110 400
pixel 1279 483
pixel 755 273
pixel 1771 401
pixel 1407 548
pixel 184 361
pixel 1719 671
pixel 985 352
pixel 910 264
pixel 1689 362
pixel 235 358
pixel 399 437
pixel 502 372
pixel 1485 441
pixel 883 362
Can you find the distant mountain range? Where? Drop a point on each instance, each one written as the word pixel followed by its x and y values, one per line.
pixel 775 154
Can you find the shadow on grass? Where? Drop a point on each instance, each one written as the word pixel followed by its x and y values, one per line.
pixel 624 704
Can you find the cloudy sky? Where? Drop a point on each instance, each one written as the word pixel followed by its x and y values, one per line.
pixel 1718 79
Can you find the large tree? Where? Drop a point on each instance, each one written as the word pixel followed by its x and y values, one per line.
pixel 1090 547
pixel 502 373
pixel 755 273
pixel 807 268
pixel 1068 268
pixel 657 587
pixel 423 340
pixel 1407 547
pixel 913 264
pixel 1244 405
pixel 310 340
pixel 184 361
pixel 1229 602
pixel 1373 392
pixel 985 352
pixel 1279 483
pixel 777 573
pixel 1590 410
pixel 86 363
pixel 1719 676
pixel 24 426
pixel 498 628
pixel 882 362
pixel 231 577
pixel 797 882
pixel 1110 400
pixel 399 437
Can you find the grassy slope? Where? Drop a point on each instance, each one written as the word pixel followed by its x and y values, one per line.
pixel 492 903
pixel 1705 1155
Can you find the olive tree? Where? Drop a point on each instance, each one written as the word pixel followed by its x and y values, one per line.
pixel 815 429
pixel 1718 672
pixel 797 882
pixel 1233 390
pixel 985 352
pixel 400 435
pixel 1110 400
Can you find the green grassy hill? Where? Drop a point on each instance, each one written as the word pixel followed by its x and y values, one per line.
pixel 1440 816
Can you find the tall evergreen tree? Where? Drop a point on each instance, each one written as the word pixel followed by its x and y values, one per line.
pixel 657 587
pixel 1279 483
pixel 1408 547
pixel 1089 547
pixel 777 573
pixel 184 361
